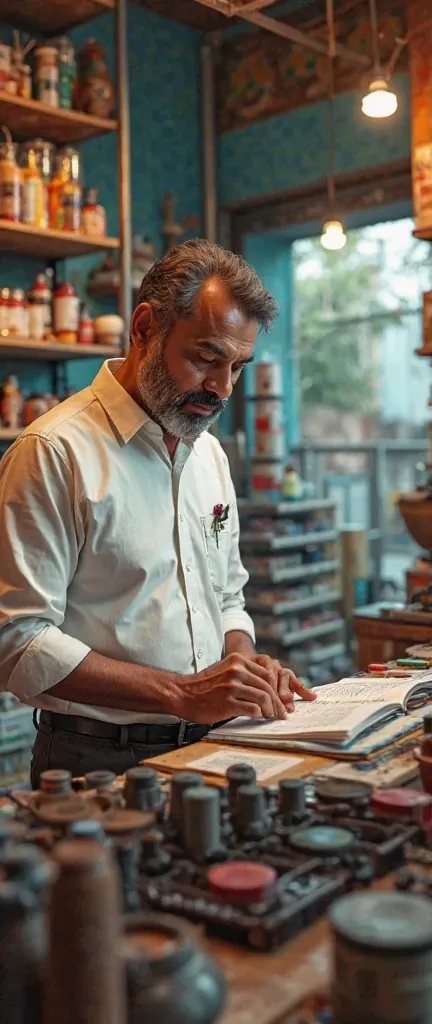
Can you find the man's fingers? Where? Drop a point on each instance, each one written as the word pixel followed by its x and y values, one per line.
pixel 298 687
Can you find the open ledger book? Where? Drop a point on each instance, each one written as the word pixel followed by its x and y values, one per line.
pixel 343 712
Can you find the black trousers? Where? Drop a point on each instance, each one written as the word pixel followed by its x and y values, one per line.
pixel 57 748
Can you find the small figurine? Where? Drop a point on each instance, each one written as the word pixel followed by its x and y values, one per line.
pixel 292 487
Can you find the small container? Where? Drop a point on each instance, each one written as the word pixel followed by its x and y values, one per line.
pixel 47 75
pixel 11 404
pixel 85 329
pixel 70 206
pixel 65 190
pixel 108 329
pixel 67 72
pixel 66 307
pixel 93 216
pixel 34 406
pixel 292 488
pixel 268 380
pixel 10 181
pixel 4 311
pixel 25 82
pixel 36 321
pixel 16 312
pixel 41 294
pixel 33 207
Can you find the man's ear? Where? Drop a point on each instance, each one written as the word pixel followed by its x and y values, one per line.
pixel 143 325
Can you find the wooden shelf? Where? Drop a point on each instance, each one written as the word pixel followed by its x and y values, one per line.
pixel 284 508
pixel 22 240
pixel 8 434
pixel 26 348
pixel 297 540
pixel 29 118
pixel 52 16
pixel 299 636
pixel 297 572
pixel 290 607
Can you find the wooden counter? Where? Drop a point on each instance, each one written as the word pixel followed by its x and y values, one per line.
pixel 381 640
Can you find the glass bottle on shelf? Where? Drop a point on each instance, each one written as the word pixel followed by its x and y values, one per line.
pixel 47 75
pixel 33 207
pixel 65 191
pixel 25 82
pixel 44 153
pixel 10 180
pixel 93 216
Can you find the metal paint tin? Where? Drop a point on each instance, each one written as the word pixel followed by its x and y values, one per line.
pixel 268 380
pixel 270 444
pixel 382 959
pixel 268 414
pixel 267 478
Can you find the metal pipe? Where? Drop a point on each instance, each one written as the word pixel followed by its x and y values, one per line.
pixel 209 142
pixel 123 156
pixel 280 28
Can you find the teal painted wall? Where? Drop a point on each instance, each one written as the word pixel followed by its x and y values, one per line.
pixel 164 74
pixel 290 150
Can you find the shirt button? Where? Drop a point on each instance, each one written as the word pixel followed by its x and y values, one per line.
pixel 181 518
pixel 188 567
pixel 200 653
pixel 194 608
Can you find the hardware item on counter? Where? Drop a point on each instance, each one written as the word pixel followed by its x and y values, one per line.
pixel 93 91
pixel 93 216
pixel 33 205
pixel 108 329
pixel 66 313
pixel 84 977
pixel 67 72
pixel 85 327
pixel 47 75
pixel 169 978
pixel 40 294
pixel 10 180
pixel 382 959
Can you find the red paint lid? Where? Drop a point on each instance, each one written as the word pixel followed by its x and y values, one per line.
pixel 399 801
pixel 242 881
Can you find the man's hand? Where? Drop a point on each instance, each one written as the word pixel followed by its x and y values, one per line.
pixel 238 685
pixel 284 681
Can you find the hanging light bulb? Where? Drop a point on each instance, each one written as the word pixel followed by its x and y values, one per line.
pixel 333 236
pixel 380 100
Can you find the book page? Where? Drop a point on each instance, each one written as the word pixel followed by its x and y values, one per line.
pixel 370 689
pixel 265 765
pixel 308 718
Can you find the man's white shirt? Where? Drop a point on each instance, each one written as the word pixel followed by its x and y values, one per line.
pixel 107 545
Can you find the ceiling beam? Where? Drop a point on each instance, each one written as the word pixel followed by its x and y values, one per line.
pixel 280 28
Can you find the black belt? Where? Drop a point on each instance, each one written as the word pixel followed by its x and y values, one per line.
pixel 179 735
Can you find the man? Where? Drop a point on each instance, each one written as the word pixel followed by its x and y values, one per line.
pixel 121 585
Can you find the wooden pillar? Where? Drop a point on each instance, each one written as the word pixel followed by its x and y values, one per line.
pixel 419 15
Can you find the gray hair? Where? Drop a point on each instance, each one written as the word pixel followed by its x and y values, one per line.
pixel 173 283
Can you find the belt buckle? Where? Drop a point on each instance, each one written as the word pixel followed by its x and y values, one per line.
pixel 183 727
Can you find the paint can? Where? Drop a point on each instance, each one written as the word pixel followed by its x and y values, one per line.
pixel 267 478
pixel 269 444
pixel 268 380
pixel 382 959
pixel 268 414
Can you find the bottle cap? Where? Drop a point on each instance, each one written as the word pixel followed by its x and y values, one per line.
pixel 242 881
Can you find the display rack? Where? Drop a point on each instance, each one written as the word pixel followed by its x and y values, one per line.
pixel 292 553
pixel 29 118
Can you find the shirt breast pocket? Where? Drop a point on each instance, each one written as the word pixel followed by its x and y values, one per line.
pixel 217 549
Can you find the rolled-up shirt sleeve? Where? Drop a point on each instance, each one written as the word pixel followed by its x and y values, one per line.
pixel 233 608
pixel 39 550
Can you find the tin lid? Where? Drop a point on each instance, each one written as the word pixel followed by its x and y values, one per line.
pixel 399 801
pixel 242 881
pixel 387 921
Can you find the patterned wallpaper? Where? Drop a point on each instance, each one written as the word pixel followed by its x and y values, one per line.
pixel 290 150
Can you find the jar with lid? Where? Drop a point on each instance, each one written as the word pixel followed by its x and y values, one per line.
pixel 93 216
pixel 16 312
pixel 67 72
pixel 47 75
pixel 10 180
pixel 65 190
pixel 66 307
pixel 4 311
pixel 33 207
pixel 40 294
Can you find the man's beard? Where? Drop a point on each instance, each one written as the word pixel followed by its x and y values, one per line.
pixel 160 397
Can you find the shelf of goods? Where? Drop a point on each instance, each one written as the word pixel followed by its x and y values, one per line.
pixel 52 17
pixel 30 118
pixel 294 543
pixel 51 351
pixel 23 240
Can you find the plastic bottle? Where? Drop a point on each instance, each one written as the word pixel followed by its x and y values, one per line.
pixel 66 314
pixel 10 180
pixel 85 329
pixel 63 202
pixel 93 216
pixel 41 294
